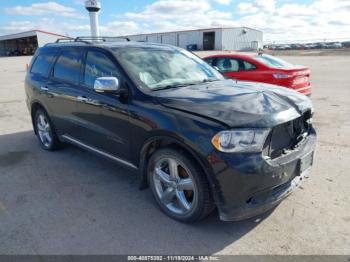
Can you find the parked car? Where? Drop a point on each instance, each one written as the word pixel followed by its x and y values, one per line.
pixel 317 46
pixel 296 46
pixel 262 68
pixel 279 47
pixel 335 45
pixel 313 46
pixel 303 47
pixel 199 141
pixel 346 44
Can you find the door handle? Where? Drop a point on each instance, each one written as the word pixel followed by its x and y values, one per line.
pixel 82 98
pixel 44 88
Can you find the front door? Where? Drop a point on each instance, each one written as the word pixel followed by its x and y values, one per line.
pixel 103 118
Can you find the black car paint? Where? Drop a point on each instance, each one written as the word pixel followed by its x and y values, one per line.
pixel 124 126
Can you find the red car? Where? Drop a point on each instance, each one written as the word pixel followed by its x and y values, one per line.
pixel 262 68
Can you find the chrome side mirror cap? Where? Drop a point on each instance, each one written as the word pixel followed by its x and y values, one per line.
pixel 107 85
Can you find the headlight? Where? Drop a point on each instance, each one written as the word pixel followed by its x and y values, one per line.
pixel 240 140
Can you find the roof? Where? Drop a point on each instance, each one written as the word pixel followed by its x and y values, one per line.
pixel 234 54
pixel 28 34
pixel 249 56
pixel 192 30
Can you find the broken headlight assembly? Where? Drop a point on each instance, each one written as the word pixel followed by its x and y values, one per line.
pixel 240 140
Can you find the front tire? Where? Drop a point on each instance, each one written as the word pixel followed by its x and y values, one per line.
pixel 45 131
pixel 179 186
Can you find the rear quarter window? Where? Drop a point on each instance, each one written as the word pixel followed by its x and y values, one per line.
pixel 42 64
pixel 272 61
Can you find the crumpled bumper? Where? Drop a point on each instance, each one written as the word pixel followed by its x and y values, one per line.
pixel 264 201
pixel 249 184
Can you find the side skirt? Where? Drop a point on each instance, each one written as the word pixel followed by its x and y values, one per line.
pixel 92 149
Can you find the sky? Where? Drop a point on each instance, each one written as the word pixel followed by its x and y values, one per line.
pixel 280 20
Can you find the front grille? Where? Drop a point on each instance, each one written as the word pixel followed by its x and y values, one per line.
pixel 285 137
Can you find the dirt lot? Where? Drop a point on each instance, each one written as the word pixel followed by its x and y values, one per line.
pixel 73 202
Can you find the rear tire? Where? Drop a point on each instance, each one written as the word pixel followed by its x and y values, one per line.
pixel 45 131
pixel 179 186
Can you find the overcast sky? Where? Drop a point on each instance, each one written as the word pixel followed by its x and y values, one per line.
pixel 279 19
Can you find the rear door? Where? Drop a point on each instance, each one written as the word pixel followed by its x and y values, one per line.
pixel 103 118
pixel 239 69
pixel 229 67
pixel 37 78
pixel 249 72
pixel 63 89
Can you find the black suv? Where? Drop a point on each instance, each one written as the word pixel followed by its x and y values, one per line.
pixel 199 141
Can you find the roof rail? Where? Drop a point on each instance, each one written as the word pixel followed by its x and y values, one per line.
pixel 59 40
pixel 100 38
pixel 90 39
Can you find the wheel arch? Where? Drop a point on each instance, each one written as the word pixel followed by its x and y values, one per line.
pixel 160 141
pixel 34 107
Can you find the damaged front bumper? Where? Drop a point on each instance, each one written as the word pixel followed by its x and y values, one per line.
pixel 251 184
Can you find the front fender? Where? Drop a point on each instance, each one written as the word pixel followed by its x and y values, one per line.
pixel 180 144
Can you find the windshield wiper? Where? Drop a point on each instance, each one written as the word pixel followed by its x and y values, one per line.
pixel 171 86
pixel 209 80
pixel 185 84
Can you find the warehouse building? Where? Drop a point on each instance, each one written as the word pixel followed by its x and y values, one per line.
pixel 25 43
pixel 237 38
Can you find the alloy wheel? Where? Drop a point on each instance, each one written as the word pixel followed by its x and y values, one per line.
pixel 44 130
pixel 174 186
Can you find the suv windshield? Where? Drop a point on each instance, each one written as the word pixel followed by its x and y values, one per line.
pixel 272 61
pixel 165 68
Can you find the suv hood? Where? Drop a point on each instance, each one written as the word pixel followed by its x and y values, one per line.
pixel 237 104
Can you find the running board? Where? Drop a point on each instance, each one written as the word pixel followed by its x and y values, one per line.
pixel 95 150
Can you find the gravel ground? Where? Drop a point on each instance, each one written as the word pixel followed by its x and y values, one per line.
pixel 73 202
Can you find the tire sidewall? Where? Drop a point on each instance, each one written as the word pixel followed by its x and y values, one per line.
pixel 195 213
pixel 52 145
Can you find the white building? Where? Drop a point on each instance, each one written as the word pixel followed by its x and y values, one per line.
pixel 236 38
pixel 25 43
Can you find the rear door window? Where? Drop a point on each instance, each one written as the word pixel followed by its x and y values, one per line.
pixel 67 67
pixel 98 64
pixel 227 64
pixel 248 66
pixel 42 64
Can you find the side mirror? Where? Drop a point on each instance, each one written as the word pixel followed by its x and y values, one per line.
pixel 107 85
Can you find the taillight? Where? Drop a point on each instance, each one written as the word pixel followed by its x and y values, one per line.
pixel 279 76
